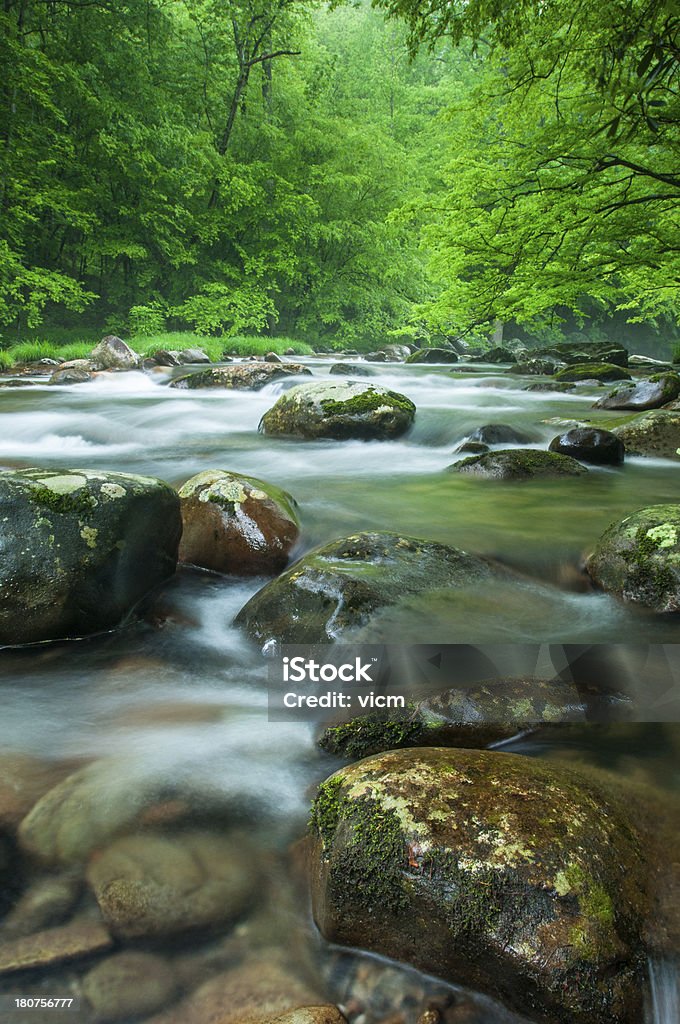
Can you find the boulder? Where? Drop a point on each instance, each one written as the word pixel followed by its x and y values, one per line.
pixel 240 376
pixel 471 448
pixel 592 371
pixel 272 357
pixel 643 394
pixel 23 781
pixel 341 411
pixel 520 878
pixel 189 356
pixel 112 353
pixel 433 355
pixel 71 375
pixel 377 357
pixel 589 444
pixel 350 370
pixel 474 717
pixel 519 464
pixel 158 885
pixel 574 352
pixel 16 382
pixel 46 902
pixel 654 434
pixel 499 433
pixel 80 550
pixel 397 353
pixel 549 385
pixel 537 366
pixel 126 985
pixel 236 524
pixel 495 355
pixel 638 559
pixel 166 357
pixel 337 587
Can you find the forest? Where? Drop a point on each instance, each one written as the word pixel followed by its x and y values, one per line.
pixel 339 174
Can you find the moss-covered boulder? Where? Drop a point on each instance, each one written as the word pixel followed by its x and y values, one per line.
pixel 509 875
pixel 80 549
pixel 236 524
pixel 574 353
pixel 652 393
pixel 337 587
pixel 432 355
pixel 535 366
pixel 638 559
pixel 589 444
pixel 342 411
pixel 472 717
pixel 239 376
pixel 654 434
pixel 592 371
pixel 350 370
pixel 519 464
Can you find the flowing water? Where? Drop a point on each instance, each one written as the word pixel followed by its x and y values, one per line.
pixel 175 705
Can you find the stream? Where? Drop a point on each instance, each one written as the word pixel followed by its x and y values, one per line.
pixel 175 703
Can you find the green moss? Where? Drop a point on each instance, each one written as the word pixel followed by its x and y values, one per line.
pixel 367 401
pixel 325 812
pixel 644 572
pixel 81 501
pixel 596 909
pixel 370 734
pixel 595 371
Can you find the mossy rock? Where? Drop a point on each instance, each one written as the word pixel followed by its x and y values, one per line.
pixel 337 587
pixel 80 550
pixel 516 877
pixel 638 559
pixel 239 376
pixel 592 371
pixel 652 393
pixel 341 411
pixel 471 717
pixel 575 353
pixel 536 366
pixel 236 524
pixel 350 370
pixel 519 464
pixel 432 355
pixel 656 434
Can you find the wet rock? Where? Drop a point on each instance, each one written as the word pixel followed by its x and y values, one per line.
pixel 23 781
pixel 86 810
pixel 377 357
pixel 128 985
pixel 236 524
pixel 80 549
pixel 112 353
pixel 337 587
pixel 272 357
pixel 46 902
pixel 549 385
pixel 592 371
pixel 80 938
pixel 496 355
pixel 74 375
pixel 574 353
pixel 350 370
pixel 433 355
pixel 643 394
pixel 471 717
pixel 499 433
pixel 189 356
pixel 166 357
pixel 600 447
pixel 509 875
pixel 638 559
pixel 646 362
pixel 341 411
pixel 519 464
pixel 306 1015
pixel 289 352
pixel 159 885
pixel 471 448
pixel 397 353
pixel 654 434
pixel 262 988
pixel 240 376
pixel 537 366
pixel 15 382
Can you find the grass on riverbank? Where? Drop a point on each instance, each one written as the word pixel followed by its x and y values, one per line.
pixel 59 348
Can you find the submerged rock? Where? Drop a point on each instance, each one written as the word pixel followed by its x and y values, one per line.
pixel 337 587
pixel 643 394
pixel 162 884
pixel 471 448
pixel 240 376
pixel 341 411
pixel 638 559
pixel 592 371
pixel 513 876
pixel 654 434
pixel 499 433
pixel 112 353
pixel 128 984
pixel 236 524
pixel 519 464
pixel 589 444
pixel 45 902
pixel 471 717
pixel 80 549
pixel 432 355
pixel 350 370
pixel 80 938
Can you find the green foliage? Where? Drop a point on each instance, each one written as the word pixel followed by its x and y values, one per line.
pixel 149 319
